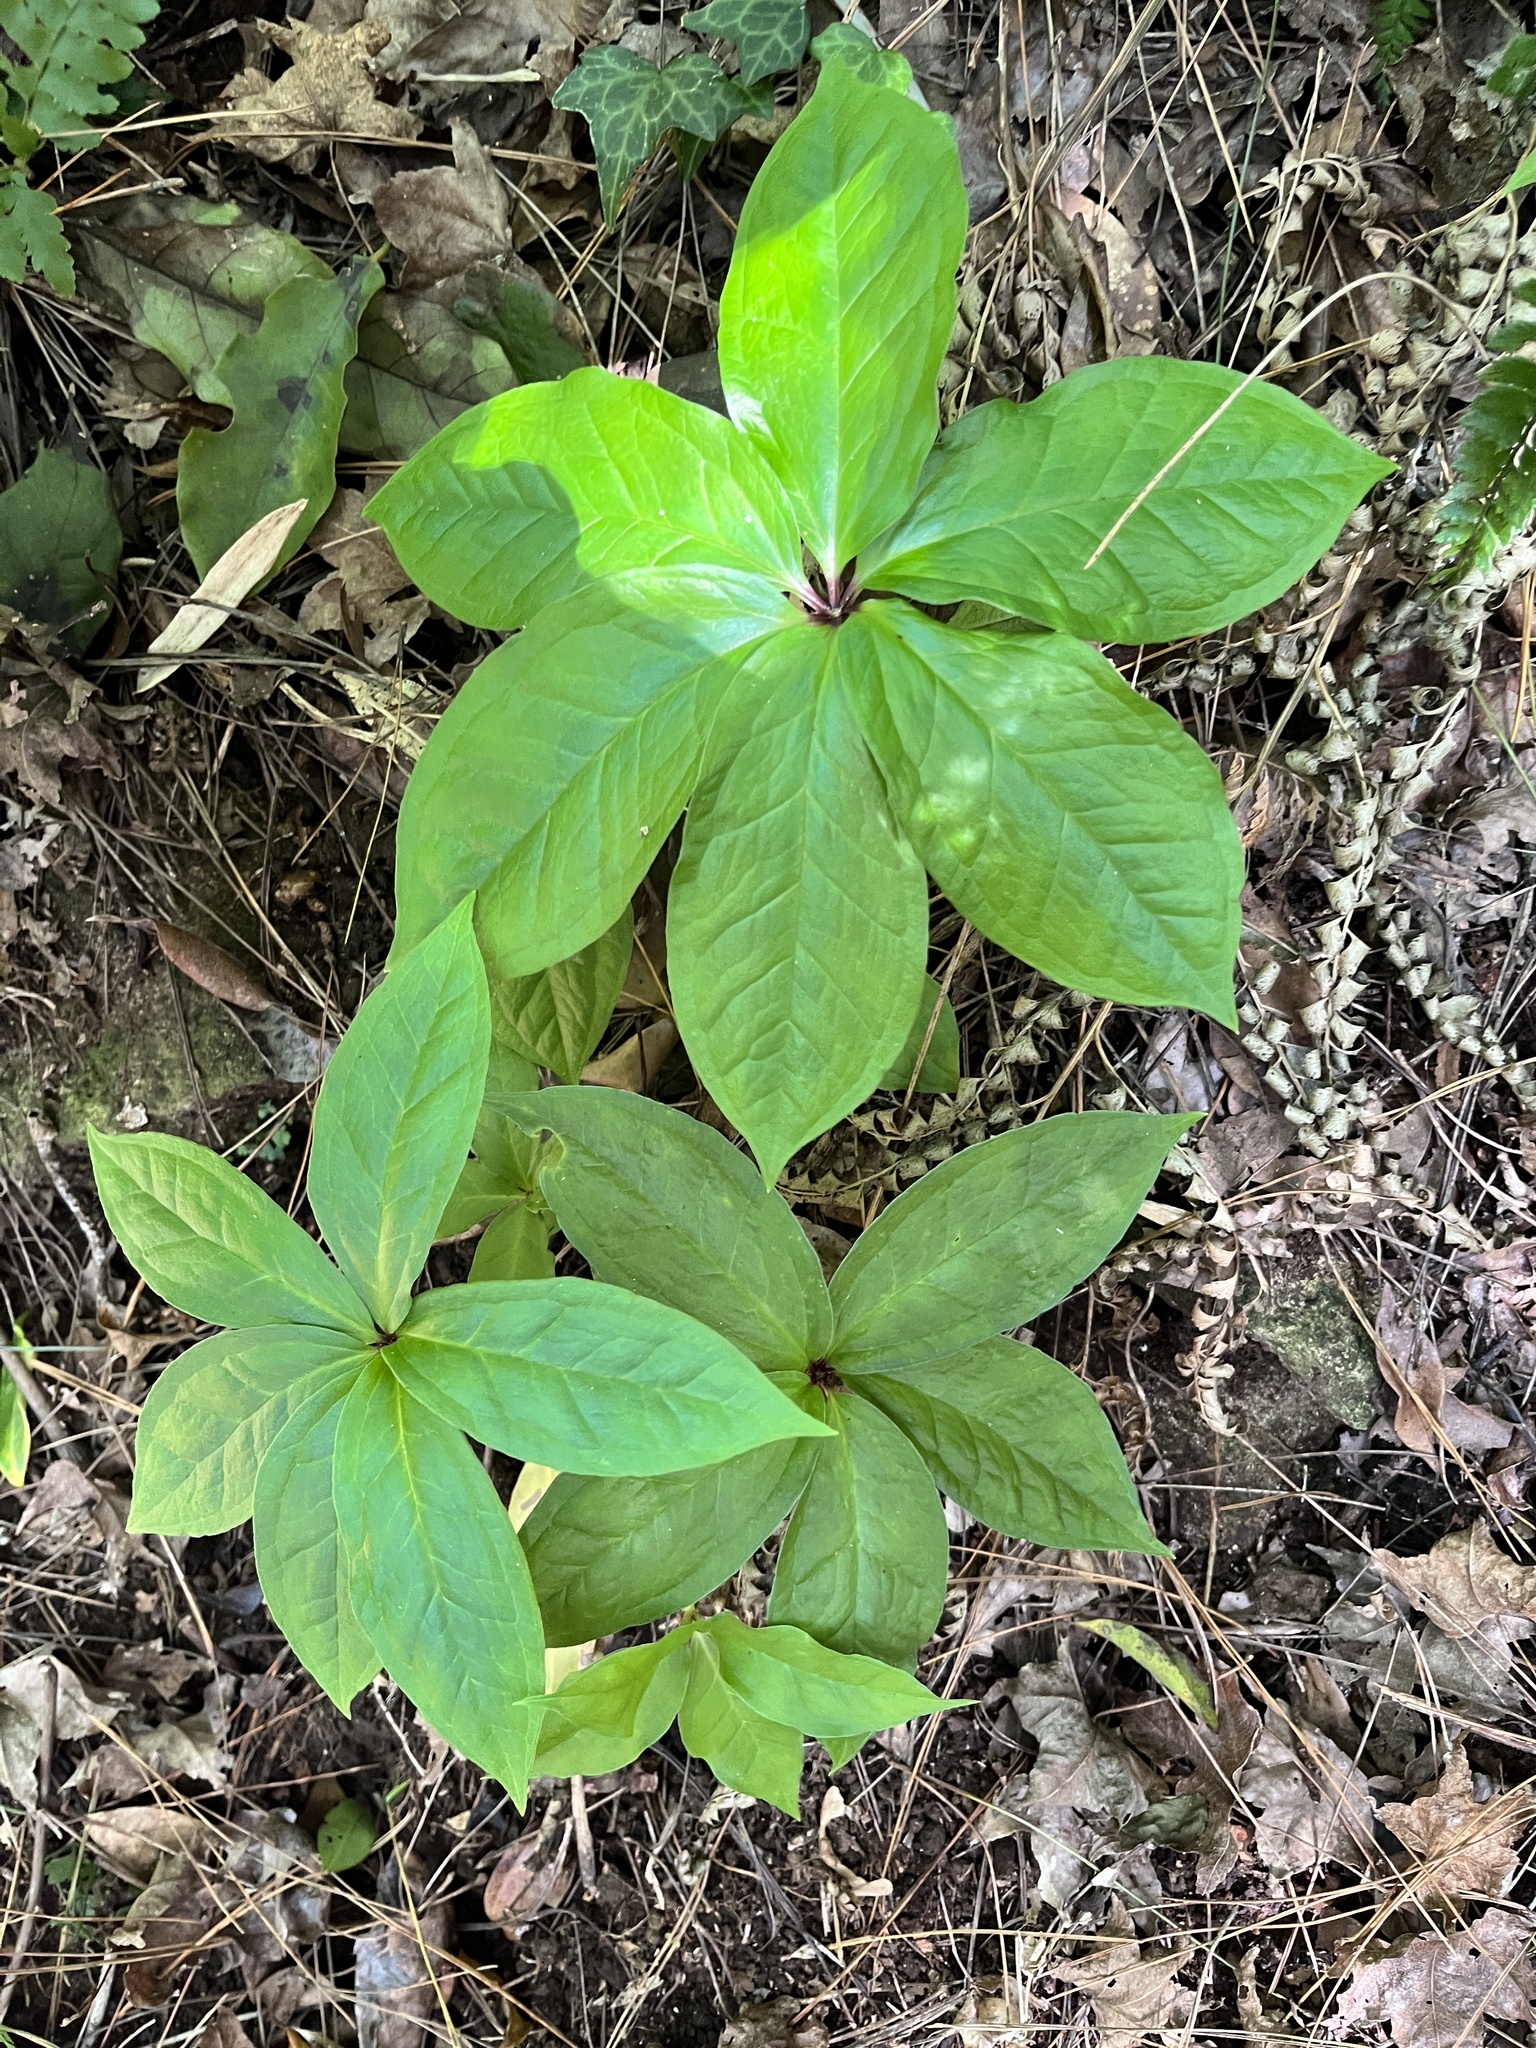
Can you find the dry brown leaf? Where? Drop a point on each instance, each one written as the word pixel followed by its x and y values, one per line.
pixel 1162 1731
pixel 145 1670
pixel 400 1982
pixel 1312 1799
pixel 226 586
pixel 1132 1990
pixel 447 218
pixel 132 1840
pixel 361 598
pixel 328 90
pixel 1440 1991
pixel 1429 1415
pixel 531 1873
pixel 79 1711
pixel 220 973
pixel 1467 1586
pixel 224 2031
pixel 776 2023
pixel 636 1063
pixel 169 1938
pixel 1465 1849
pixel 492 39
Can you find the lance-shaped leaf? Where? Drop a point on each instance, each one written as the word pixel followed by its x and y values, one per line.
pixel 557 772
pixel 839 304
pixel 770 35
pixel 797 925
pixel 556 1018
pixel 286 383
pixel 604 1717
pixel 396 1112
pixel 994 1235
pixel 305 1578
pixel 743 1748
pixel 212 1416
pixel 865 1558
pixel 515 1245
pixel 659 1203
pixel 438 1577
pixel 1020 1442
pixel 504 1167
pixel 790 1677
pixel 528 498
pixel 607 1554
pixel 211 1242
pixel 1143 499
pixel 1066 817
pixel 580 1376
pixel 936 1027
pixel 631 104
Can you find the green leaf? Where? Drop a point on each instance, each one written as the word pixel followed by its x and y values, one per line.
pixel 345 1836
pixel 555 1018
pixel 1494 493
pixel 510 302
pixel 32 233
pixel 607 1554
pixel 1171 1671
pixel 1522 175
pixel 839 305
pixel 659 1203
pixel 554 777
pixel 940 1073
pixel 527 499
pixel 1066 817
pixel 842 1749
pixel 397 1109
pixel 1030 507
pixel 514 1246
pixel 788 1676
pixel 994 1235
pixel 211 1242
pixel 71 52
pixel 15 1432
pixel 743 1748
pixel 584 1377
pixel 285 383
pixel 770 35
pixel 797 921
pixel 305 1578
pixel 631 106
pixel 60 544
pixel 416 368
pixel 846 47
pixel 1396 26
pixel 865 1559
pixel 438 1577
pixel 1020 1442
pixel 1514 76
pixel 504 1167
pixel 214 1413
pixel 604 1717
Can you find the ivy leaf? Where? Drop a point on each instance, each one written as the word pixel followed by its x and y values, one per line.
pixel 770 35
pixel 60 543
pixel 31 232
pixel 286 384
pixel 631 105
pixel 72 51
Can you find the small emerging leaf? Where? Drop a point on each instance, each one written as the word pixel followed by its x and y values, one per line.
pixel 15 1427
pixel 936 1026
pixel 604 1717
pixel 345 1836
pixel 555 1018
pixel 743 1748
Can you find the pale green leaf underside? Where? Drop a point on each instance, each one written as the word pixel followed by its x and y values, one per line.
pixel 657 1202
pixel 213 1414
pixel 839 304
pixel 527 499
pixel 397 1109
pixel 994 1235
pixel 1017 502
pixel 604 1717
pixel 305 1579
pixel 1020 1442
pixel 789 1676
pixel 586 1378
pixel 798 915
pixel 438 1577
pixel 865 1558
pixel 1069 819
pixel 556 773
pixel 211 1242
pixel 743 1748
pixel 555 1019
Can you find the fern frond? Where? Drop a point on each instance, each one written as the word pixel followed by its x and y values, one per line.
pixel 1398 26
pixel 72 51
pixel 31 232
pixel 1494 495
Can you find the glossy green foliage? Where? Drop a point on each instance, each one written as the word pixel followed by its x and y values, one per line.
pixel 335 1407
pixel 632 105
pixel 830 740
pixel 287 385
pixel 744 1700
pixel 1494 495
pixel 770 35
pixel 60 544
pixel 901 1357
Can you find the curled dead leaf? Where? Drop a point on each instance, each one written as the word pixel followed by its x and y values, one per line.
pixel 220 973
pixel 532 1873
pixel 1465 1848
pixel 1442 1989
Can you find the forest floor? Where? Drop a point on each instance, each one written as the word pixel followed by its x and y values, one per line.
pixel 1318 1343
